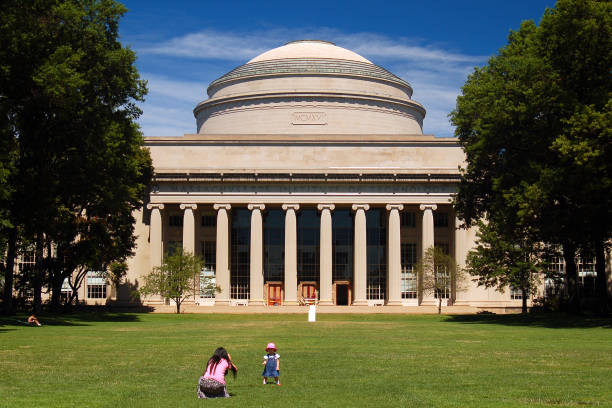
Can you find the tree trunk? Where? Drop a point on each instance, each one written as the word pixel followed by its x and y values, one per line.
pixel 601 283
pixel 9 271
pixel 56 290
pixel 524 301
pixel 38 272
pixel 178 306
pixel 571 278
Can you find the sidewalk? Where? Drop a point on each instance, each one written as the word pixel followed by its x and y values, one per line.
pixel 191 308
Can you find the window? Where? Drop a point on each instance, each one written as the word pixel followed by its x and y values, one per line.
pixel 556 270
pixel 173 247
pixel 209 254
pixel 175 220
pixel 443 276
pixel 96 285
pixel 376 232
pixel 308 238
pixel 274 245
pixel 409 276
pixel 240 253
pixel 208 284
pixel 209 220
pixel 587 276
pixel 515 293
pixel 408 219
pixel 440 219
pixel 342 239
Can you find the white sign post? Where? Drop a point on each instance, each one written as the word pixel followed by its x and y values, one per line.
pixel 312 313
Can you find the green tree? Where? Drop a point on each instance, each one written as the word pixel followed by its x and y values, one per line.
pixel 68 94
pixel 176 278
pixel 534 126
pixel 500 262
pixel 439 275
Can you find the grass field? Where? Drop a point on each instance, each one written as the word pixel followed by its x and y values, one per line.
pixel 374 360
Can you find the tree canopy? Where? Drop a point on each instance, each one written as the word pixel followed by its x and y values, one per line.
pixel 77 168
pixel 535 126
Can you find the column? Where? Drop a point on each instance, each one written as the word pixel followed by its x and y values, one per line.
pixel 394 261
pixel 427 241
pixel 290 288
pixel 361 266
pixel 325 257
pixel 155 234
pixel 256 266
pixel 188 227
pixel 222 272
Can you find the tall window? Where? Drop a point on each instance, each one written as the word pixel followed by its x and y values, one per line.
pixel 239 253
pixel 440 219
pixel 175 220
pixel 96 285
pixel 208 251
pixel 209 219
pixel 308 237
pixel 585 264
pixel 442 275
pixel 409 276
pixel 376 253
pixel 342 239
pixel 556 269
pixel 274 245
pixel 173 247
pixel 408 219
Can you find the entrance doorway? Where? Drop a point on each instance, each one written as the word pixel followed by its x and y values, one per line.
pixel 342 294
pixel 275 293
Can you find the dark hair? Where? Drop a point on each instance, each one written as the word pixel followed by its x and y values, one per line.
pixel 220 354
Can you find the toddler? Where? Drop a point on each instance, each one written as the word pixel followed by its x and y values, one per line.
pixel 272 365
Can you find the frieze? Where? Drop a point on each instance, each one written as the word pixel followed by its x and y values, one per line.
pixel 310 188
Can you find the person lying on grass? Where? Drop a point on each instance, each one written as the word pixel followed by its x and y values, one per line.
pixel 212 382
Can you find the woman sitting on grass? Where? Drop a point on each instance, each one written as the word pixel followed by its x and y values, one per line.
pixel 212 381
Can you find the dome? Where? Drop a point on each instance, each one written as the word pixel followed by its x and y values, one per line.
pixel 309 87
pixel 309 49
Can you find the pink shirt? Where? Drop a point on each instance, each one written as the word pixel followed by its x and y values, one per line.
pixel 219 373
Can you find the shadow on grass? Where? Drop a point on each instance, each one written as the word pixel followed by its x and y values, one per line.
pixel 548 320
pixel 67 319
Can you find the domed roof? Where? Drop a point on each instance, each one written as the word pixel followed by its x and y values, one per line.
pixel 309 49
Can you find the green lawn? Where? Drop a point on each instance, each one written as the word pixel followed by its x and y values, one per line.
pixel 154 360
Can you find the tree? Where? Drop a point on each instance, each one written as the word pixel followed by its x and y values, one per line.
pixel 68 95
pixel 439 275
pixel 500 262
pixel 176 278
pixel 534 126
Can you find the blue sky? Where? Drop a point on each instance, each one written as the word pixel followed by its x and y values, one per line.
pixel 184 45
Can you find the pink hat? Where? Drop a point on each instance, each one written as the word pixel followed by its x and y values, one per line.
pixel 271 346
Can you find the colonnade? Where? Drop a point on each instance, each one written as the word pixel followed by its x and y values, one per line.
pixel 394 266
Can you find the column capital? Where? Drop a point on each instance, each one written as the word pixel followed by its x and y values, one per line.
pixel 424 207
pixel 222 206
pixel 398 207
pixel 329 207
pixel 290 207
pixel 185 206
pixel 158 206
pixel 256 206
pixel 364 207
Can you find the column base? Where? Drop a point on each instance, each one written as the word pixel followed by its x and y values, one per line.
pixel 393 303
pixel 359 302
pixel 256 302
pixel 327 302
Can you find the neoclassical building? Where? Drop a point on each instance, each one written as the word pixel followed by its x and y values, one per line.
pixel 309 180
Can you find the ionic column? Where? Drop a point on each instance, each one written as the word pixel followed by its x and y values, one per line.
pixel 155 234
pixel 394 261
pixel 325 257
pixel 222 272
pixel 427 238
pixel 290 254
pixel 361 247
pixel 188 227
pixel 256 267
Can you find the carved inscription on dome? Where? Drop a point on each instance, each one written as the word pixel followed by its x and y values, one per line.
pixel 308 118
